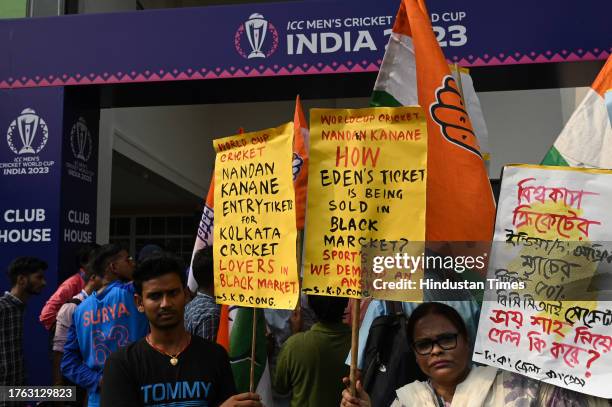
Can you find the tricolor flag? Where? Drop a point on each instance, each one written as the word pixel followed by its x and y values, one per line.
pixel 204 237
pixel 609 103
pixel 586 139
pixel 460 203
pixel 300 162
pixel 234 334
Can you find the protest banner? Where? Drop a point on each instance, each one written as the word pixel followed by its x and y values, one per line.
pixel 254 228
pixel 547 312
pixel 366 186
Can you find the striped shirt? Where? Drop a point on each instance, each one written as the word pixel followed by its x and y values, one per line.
pixel 202 316
pixel 12 371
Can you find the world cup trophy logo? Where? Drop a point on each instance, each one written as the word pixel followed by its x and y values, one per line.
pixel 80 140
pixel 256 28
pixel 28 126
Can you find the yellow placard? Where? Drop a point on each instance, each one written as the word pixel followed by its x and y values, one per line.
pixel 254 227
pixel 366 188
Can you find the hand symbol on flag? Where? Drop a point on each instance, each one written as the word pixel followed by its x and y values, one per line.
pixel 298 162
pixel 449 112
pixel 205 229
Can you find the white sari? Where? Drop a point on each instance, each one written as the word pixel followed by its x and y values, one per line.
pixel 478 389
pixel 486 386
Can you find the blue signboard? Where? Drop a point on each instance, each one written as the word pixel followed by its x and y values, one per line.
pixel 30 176
pixel 79 183
pixel 289 38
pixel 48 182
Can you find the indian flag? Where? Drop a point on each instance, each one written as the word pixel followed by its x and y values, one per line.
pixel 204 236
pixel 586 139
pixel 235 334
pixel 460 203
pixel 300 162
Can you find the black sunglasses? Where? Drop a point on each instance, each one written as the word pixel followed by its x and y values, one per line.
pixel 446 341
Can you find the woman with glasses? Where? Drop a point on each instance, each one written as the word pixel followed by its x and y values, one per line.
pixel 442 348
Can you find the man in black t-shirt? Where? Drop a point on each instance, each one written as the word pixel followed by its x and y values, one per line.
pixel 169 366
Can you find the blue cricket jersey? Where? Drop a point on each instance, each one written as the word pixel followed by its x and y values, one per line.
pixel 102 323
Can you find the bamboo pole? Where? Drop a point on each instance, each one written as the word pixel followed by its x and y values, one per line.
pixel 354 345
pixel 253 348
pixel 298 253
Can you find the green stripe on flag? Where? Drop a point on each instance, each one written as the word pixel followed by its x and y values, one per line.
pixel 554 157
pixel 240 348
pixel 381 98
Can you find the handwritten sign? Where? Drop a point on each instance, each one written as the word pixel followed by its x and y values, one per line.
pixel 554 321
pixel 254 230
pixel 366 186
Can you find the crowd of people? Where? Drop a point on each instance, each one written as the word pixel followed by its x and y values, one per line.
pixel 133 334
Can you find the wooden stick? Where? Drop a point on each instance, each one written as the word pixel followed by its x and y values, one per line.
pixel 354 345
pixel 253 347
pixel 298 253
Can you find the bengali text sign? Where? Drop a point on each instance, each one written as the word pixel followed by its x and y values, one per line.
pixel 254 230
pixel 366 187
pixel 553 320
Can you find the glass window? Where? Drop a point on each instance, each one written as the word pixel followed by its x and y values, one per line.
pixel 175 233
pixel 142 226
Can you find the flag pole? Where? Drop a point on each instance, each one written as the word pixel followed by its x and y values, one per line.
pixel 354 345
pixel 298 253
pixel 253 348
pixel 254 334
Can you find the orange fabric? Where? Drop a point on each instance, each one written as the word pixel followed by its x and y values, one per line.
pixel 460 203
pixel 401 25
pixel 299 148
pixel 603 82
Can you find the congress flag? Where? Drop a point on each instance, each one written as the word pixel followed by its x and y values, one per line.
pixel 460 203
pixel 300 162
pixel 204 237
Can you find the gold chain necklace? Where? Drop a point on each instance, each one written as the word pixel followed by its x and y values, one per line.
pixel 173 358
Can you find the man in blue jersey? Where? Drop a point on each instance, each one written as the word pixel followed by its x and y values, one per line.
pixel 106 320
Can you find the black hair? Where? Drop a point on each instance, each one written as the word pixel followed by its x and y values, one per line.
pixel 85 253
pixel 328 309
pixel 24 266
pixel 203 267
pixel 436 308
pixel 157 266
pixel 89 267
pixel 148 251
pixel 103 257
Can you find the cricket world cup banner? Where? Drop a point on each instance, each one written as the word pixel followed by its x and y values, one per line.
pixel 290 38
